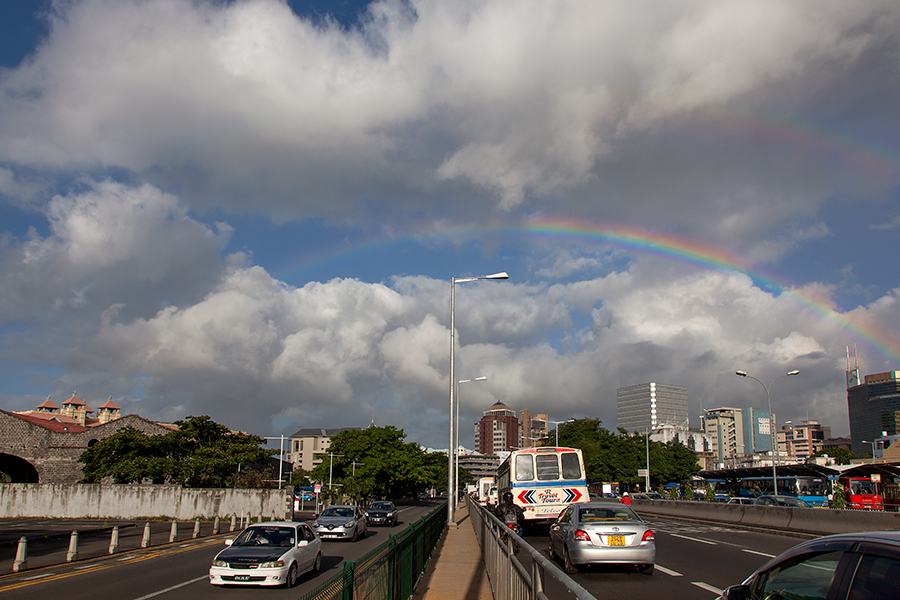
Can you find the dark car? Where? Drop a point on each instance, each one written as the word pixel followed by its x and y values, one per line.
pixel 382 513
pixel 773 500
pixel 274 553
pixel 861 566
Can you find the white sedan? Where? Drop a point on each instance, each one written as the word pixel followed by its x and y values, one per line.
pixel 275 553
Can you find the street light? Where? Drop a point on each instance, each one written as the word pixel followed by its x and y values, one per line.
pixel 873 448
pixel 281 457
pixel 451 480
pixel 771 419
pixel 557 428
pixel 456 447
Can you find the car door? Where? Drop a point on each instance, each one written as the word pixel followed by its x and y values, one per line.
pixel 805 576
pixel 307 554
pixel 558 530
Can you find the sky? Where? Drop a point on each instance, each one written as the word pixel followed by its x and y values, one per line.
pixel 254 209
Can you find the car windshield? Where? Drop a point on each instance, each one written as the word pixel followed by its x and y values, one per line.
pixel 338 511
pixel 266 536
pixel 596 515
pixel 381 506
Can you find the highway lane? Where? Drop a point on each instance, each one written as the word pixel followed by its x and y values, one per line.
pixel 694 562
pixel 178 571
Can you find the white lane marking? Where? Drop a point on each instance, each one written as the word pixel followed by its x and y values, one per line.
pixel 684 537
pixel 759 553
pixel 669 571
pixel 38 576
pixel 707 587
pixel 174 587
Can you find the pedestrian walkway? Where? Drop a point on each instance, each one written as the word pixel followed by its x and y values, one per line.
pixel 456 570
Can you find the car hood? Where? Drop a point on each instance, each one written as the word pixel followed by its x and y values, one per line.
pixel 250 555
pixel 334 520
pixel 379 513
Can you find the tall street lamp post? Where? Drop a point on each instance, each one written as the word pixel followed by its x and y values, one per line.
pixel 456 447
pixel 556 423
pixel 451 479
pixel 281 458
pixel 771 419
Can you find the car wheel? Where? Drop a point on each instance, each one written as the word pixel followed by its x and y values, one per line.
pixel 317 566
pixel 291 576
pixel 568 566
pixel 355 534
pixel 646 569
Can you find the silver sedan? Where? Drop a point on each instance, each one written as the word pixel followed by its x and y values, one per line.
pixel 602 533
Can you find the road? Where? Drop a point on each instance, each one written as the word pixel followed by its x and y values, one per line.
pixel 178 571
pixel 693 562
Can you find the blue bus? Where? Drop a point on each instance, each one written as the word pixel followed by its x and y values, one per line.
pixel 810 489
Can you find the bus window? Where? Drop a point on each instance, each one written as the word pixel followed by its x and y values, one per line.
pixel 547 467
pixel 862 487
pixel 525 468
pixel 570 466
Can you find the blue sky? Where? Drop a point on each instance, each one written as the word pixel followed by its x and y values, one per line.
pixel 253 209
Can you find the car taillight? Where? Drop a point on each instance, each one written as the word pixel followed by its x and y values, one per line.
pixel 648 536
pixel 582 536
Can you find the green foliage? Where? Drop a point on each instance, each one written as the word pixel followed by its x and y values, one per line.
pixel 710 494
pixel 841 456
pixel 376 463
pixel 201 453
pixel 610 457
pixel 673 493
pixel 838 497
pixel 688 493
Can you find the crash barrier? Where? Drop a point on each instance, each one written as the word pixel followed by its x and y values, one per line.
pixel 51 546
pixel 137 502
pixel 390 571
pixel 510 580
pixel 814 521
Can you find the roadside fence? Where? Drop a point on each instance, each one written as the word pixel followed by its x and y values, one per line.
pixel 390 571
pixel 510 580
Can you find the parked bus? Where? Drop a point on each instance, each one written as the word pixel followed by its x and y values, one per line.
pixel 719 488
pixel 485 484
pixel 543 481
pixel 812 490
pixel 863 492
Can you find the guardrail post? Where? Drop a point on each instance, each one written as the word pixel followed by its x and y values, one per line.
pixel 72 554
pixel 21 562
pixel 173 533
pixel 114 540
pixel 145 539
pixel 216 526
pixel 349 568
pixel 233 522
pixel 196 533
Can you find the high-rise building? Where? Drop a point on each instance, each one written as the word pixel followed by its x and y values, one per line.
pixel 802 441
pixel 735 432
pixel 873 407
pixel 531 428
pixel 498 430
pixel 651 405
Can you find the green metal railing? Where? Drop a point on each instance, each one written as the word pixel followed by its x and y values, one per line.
pixel 390 571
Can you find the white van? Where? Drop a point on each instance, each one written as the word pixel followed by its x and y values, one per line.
pixel 484 490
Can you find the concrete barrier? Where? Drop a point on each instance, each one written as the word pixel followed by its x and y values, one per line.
pixel 139 502
pixel 816 521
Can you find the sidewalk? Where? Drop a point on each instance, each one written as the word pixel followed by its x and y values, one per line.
pixel 456 570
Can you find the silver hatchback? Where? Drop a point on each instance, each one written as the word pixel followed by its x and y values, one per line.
pixel 602 533
pixel 341 521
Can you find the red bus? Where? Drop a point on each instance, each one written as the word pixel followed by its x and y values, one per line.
pixel 863 492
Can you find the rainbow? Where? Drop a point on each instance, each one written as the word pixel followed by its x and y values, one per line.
pixel 667 246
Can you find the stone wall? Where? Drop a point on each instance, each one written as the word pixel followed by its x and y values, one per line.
pixel 25 500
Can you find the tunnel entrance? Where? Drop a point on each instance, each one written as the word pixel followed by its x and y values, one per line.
pixel 14 469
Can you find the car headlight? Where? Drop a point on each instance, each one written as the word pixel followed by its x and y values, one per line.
pixel 349 524
pixel 271 564
pixel 220 563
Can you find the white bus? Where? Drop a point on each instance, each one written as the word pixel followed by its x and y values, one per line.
pixel 543 481
pixel 485 484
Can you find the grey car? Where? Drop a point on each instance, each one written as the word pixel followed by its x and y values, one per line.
pixel 341 521
pixel 779 500
pixel 602 533
pixel 849 565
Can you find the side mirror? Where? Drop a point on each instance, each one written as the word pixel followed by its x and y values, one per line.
pixel 737 592
pixel 302 544
pixel 229 542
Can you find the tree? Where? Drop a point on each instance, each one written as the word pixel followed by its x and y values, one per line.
pixel 200 453
pixel 841 456
pixel 376 463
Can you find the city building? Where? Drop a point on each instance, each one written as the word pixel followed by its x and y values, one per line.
pixel 309 447
pixel 651 405
pixel 698 441
pixel 498 430
pixel 531 428
pixel 735 432
pixel 802 441
pixel 479 465
pixel 873 407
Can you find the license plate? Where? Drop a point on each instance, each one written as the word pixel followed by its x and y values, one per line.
pixel 615 540
pixel 242 578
